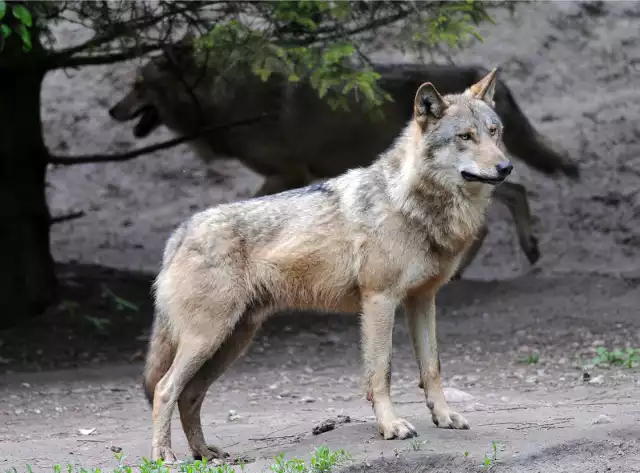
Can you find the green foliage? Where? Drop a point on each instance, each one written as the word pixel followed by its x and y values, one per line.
pixel 316 41
pixel 531 359
pixel 18 22
pixel 319 42
pixel 606 358
pixel 490 461
pixel 323 460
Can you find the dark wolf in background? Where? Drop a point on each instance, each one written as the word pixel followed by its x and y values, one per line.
pixel 309 140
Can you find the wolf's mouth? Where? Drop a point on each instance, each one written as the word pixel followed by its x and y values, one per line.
pixel 469 177
pixel 149 120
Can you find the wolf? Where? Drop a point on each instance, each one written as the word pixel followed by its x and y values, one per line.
pixel 310 141
pixel 367 241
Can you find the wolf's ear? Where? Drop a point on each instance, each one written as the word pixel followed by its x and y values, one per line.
pixel 485 88
pixel 428 103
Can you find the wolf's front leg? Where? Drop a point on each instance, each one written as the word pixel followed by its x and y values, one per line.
pixel 421 315
pixel 377 332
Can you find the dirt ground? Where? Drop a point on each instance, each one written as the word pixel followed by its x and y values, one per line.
pixel 573 67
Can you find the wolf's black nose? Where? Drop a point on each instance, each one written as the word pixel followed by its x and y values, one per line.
pixel 504 168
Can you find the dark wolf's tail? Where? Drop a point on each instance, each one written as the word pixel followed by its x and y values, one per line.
pixel 522 140
pixel 160 355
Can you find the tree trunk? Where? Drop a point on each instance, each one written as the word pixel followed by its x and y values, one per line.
pixel 27 277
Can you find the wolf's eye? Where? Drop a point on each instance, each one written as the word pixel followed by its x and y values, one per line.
pixel 493 130
pixel 465 136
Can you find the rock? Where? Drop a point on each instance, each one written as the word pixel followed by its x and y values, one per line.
pixel 602 419
pixel 307 400
pixel 597 380
pixel 330 424
pixel 455 395
pixel 233 415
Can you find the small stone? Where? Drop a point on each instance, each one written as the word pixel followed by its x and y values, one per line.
pixel 597 380
pixel 307 400
pixel 233 415
pixel 602 419
pixel 115 449
pixel 330 424
pixel 456 395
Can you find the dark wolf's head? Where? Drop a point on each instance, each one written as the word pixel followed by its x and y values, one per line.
pixel 460 135
pixel 165 88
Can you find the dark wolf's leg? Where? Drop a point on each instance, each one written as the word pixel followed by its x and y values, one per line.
pixel 514 196
pixel 471 252
pixel 190 401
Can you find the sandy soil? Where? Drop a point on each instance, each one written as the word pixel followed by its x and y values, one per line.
pixel 572 68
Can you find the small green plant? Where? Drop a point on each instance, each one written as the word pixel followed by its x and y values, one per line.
pixel 99 323
pixel 490 461
pixel 416 445
pixel 323 460
pixel 119 302
pixel 617 357
pixel 531 359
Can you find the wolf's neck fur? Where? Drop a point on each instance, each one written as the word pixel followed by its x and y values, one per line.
pixel 451 213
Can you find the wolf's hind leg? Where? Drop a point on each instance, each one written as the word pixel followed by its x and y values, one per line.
pixel 191 399
pixel 195 347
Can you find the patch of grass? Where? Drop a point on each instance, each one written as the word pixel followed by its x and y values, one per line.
pixel 119 302
pixel 531 359
pixel 617 357
pixel 416 445
pixel 323 460
pixel 490 461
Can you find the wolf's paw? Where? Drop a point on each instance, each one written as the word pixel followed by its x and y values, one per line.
pixel 210 452
pixel 446 419
pixel 398 429
pixel 533 252
pixel 163 453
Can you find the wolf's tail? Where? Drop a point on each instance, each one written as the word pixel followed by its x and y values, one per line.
pixel 160 355
pixel 522 140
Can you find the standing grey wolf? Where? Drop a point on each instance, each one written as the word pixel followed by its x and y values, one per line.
pixel 364 242
pixel 310 140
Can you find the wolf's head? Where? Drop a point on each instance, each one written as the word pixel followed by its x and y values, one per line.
pixel 163 88
pixel 460 135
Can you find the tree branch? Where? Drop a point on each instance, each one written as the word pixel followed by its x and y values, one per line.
pixel 64 58
pixel 101 59
pixel 66 217
pixel 105 158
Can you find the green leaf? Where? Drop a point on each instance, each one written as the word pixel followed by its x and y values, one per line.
pixel 3 9
pixel 22 14
pixel 25 35
pixel 6 31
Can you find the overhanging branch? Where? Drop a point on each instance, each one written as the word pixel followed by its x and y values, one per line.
pixel 107 158
pixel 101 59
